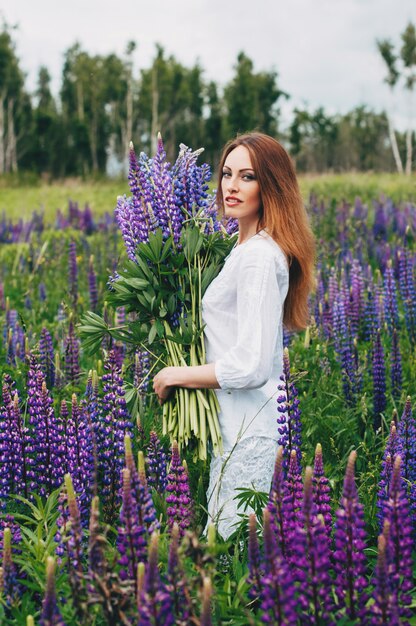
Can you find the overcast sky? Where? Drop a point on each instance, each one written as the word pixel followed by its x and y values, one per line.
pixel 324 51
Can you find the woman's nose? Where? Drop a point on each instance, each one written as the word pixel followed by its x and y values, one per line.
pixel 232 184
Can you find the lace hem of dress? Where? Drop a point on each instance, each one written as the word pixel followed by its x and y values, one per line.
pixel 250 465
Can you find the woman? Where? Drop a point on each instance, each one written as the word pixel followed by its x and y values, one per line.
pixel 264 283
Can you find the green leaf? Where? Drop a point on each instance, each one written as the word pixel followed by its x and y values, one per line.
pixel 152 334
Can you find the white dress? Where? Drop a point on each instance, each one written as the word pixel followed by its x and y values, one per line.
pixel 243 311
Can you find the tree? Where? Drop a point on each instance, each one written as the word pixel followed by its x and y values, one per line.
pixel 251 98
pixel 11 101
pixel 408 55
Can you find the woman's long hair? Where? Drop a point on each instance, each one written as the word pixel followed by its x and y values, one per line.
pixel 283 215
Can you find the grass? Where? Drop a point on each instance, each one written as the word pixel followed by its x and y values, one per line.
pixel 19 201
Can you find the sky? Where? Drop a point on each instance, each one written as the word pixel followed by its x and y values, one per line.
pixel 324 51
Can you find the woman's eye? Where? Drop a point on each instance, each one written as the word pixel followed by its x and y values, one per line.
pixel 248 177
pixel 226 174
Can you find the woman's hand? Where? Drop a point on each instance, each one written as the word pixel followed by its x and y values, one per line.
pixel 162 383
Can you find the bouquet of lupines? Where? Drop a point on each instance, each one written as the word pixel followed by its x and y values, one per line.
pixel 175 245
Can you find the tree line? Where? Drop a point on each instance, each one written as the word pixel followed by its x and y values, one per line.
pixel 103 104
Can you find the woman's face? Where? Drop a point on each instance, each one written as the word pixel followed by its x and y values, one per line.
pixel 240 188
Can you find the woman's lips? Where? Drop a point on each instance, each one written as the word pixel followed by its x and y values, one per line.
pixel 232 201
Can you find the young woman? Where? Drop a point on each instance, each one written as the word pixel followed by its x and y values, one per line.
pixel 264 283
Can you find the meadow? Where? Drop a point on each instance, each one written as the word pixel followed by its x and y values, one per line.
pixel 102 518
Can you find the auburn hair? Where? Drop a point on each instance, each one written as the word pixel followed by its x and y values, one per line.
pixel 283 215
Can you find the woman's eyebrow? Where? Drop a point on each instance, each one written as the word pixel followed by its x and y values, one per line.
pixel 244 169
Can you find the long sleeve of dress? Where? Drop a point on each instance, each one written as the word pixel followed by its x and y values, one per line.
pixel 248 364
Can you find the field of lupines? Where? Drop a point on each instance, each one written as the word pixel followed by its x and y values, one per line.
pixel 101 520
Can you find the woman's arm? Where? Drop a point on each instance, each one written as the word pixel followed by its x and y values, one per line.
pixel 195 377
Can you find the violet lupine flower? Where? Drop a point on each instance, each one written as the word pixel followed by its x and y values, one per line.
pixel 127 219
pixel 348 556
pixel 73 273
pixel 132 536
pixel 408 292
pixel 156 464
pixel 116 424
pixel 154 601
pixel 311 563
pixel 277 596
pixel 384 609
pixel 178 495
pixel 292 499
pixel 390 298
pixel 390 453
pixel 396 367
pixel 92 406
pixel 254 563
pixel 275 505
pixel 379 380
pixel 92 285
pixel 13 455
pixel 51 615
pixel 168 214
pixel 406 432
pixel 344 349
pixel 79 454
pixel 47 357
pixel 371 322
pixel 398 518
pixel 289 418
pixel 321 491
pixel 356 297
pixel 177 582
pixel 44 437
pixel 141 373
pixel 72 369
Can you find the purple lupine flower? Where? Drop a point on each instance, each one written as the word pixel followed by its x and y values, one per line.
pixel 178 495
pixel 92 285
pixel 277 596
pixel 371 322
pixel 13 454
pixel 349 558
pixel 44 437
pixel 51 615
pixel 384 609
pixel 254 563
pixel 116 424
pixel 321 491
pixel 47 357
pixel 390 298
pixel 396 367
pixel 356 297
pixel 132 536
pixel 408 292
pixel 156 463
pixel 73 273
pixel 169 216
pixel 406 432
pixel 289 418
pixel 292 499
pixel 344 349
pixel 390 453
pixel 275 505
pixel 154 601
pixel 398 518
pixel 379 380
pixel 311 563
pixel 178 586
pixel 72 369
pixel 92 406
pixel 79 457
pixel 141 373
